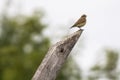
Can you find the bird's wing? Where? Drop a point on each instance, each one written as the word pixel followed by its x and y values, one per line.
pixel 81 20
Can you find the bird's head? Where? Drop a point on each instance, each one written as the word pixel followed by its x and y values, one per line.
pixel 83 15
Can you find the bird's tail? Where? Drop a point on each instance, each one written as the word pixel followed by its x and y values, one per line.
pixel 71 27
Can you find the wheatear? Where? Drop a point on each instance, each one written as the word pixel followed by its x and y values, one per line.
pixel 81 22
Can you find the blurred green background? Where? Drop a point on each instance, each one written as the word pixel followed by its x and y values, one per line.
pixel 23 46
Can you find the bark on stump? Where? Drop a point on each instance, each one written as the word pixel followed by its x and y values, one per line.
pixel 55 57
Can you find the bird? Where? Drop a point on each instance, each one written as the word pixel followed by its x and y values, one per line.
pixel 81 22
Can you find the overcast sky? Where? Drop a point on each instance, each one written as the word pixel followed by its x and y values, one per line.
pixel 102 28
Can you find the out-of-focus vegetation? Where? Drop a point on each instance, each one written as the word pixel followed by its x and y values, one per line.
pixel 109 70
pixel 23 46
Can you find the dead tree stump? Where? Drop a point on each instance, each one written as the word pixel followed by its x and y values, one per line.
pixel 55 57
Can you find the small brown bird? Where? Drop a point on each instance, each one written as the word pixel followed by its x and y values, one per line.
pixel 81 22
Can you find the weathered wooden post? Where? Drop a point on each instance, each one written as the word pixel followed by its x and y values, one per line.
pixel 55 57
